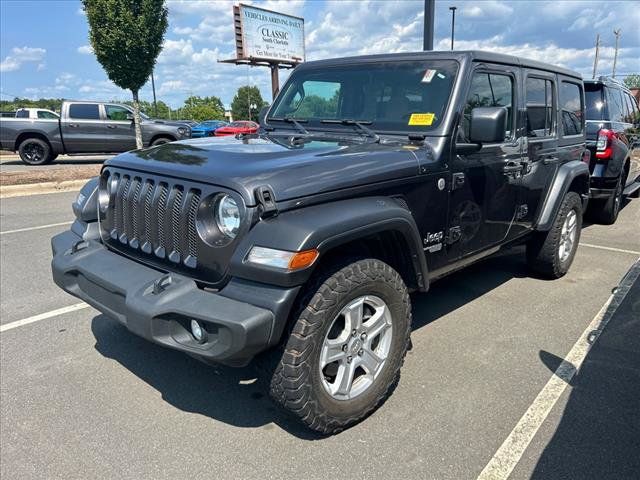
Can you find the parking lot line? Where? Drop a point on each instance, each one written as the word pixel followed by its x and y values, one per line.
pixel 510 452
pixel 610 249
pixel 40 227
pixel 43 316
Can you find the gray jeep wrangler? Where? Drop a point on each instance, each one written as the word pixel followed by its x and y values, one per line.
pixel 370 177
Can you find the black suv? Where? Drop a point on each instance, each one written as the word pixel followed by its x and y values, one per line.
pixel 371 177
pixel 613 119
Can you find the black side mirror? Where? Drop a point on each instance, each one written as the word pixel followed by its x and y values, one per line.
pixel 262 114
pixel 488 124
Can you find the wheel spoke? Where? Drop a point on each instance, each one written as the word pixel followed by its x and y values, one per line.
pixel 353 315
pixel 375 325
pixel 370 362
pixel 331 352
pixel 344 378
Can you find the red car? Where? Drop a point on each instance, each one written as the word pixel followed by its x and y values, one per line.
pixel 234 128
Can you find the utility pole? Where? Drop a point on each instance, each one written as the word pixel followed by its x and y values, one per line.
pixel 429 14
pixel 595 60
pixel 615 55
pixel 453 24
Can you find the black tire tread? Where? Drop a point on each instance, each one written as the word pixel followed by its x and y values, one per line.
pixel 290 386
pixel 542 248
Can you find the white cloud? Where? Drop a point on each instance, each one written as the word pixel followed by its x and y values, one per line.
pixel 20 56
pixel 85 50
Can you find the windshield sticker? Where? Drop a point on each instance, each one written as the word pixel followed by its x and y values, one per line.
pixel 441 75
pixel 428 76
pixel 422 119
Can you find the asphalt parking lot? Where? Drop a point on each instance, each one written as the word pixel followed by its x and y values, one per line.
pixel 81 397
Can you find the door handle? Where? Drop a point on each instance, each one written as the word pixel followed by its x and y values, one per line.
pixel 73 125
pixel 512 167
pixel 550 159
pixel 111 126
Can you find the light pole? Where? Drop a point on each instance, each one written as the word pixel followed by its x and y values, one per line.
pixel 453 23
pixel 429 14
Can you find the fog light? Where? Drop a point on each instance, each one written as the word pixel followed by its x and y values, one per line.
pixel 197 331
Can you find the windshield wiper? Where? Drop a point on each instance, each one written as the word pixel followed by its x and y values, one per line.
pixel 295 122
pixel 360 124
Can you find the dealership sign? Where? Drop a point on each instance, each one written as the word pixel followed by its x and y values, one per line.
pixel 265 35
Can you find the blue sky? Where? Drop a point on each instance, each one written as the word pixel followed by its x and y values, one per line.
pixel 44 48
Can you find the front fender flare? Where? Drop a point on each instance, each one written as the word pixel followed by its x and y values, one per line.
pixel 565 176
pixel 326 227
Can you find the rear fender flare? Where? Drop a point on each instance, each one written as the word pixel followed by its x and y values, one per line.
pixel 562 182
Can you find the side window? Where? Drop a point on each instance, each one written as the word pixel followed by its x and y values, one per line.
pixel 116 112
pixel 616 108
pixel 84 111
pixel 572 108
pixel 539 107
pixel 45 114
pixel 630 111
pixel 22 114
pixel 490 90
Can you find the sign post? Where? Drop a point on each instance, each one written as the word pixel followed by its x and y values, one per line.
pixel 269 39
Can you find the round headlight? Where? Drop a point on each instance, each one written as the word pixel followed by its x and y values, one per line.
pixel 182 131
pixel 228 216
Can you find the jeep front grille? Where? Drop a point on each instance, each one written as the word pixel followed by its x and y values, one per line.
pixel 153 216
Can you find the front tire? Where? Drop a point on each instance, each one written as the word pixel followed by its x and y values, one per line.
pixel 551 253
pixel 35 151
pixel 342 359
pixel 160 141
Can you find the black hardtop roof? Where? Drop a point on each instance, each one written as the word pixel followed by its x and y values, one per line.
pixel 459 55
pixel 611 82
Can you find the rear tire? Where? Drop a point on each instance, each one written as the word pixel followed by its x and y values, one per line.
pixel 35 151
pixel 551 253
pixel 329 377
pixel 606 211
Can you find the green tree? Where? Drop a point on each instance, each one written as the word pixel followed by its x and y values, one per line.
pixel 632 81
pixel 48 103
pixel 246 96
pixel 127 36
pixel 202 108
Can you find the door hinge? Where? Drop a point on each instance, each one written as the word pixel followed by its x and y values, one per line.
pixel 266 199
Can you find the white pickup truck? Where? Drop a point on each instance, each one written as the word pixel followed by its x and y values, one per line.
pixel 33 113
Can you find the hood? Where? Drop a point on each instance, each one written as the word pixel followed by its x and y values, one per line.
pixel 292 171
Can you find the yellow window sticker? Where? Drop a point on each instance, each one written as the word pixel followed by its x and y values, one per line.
pixel 423 119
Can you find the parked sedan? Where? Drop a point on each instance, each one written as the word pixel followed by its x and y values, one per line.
pixel 207 129
pixel 234 128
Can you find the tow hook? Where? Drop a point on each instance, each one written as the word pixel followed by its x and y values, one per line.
pixel 79 245
pixel 161 284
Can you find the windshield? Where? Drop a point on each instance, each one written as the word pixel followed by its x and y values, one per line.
pixel 594 103
pixel 393 96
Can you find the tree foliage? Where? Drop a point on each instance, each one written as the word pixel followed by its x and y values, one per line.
pixel 245 96
pixel 13 105
pixel 164 111
pixel 632 81
pixel 127 36
pixel 202 108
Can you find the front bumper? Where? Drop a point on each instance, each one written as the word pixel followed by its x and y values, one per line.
pixel 159 306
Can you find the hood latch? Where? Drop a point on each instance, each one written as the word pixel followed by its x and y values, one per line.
pixel 266 199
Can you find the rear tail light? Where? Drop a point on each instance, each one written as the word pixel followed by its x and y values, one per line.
pixel 604 145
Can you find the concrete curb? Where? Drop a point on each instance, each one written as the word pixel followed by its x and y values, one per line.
pixel 9 191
